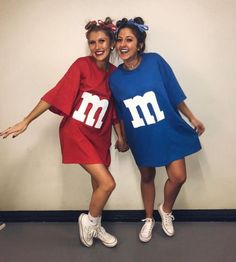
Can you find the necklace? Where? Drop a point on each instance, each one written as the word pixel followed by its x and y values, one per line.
pixel 134 65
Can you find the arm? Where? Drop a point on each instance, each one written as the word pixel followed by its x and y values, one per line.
pixel 121 144
pixel 199 127
pixel 20 127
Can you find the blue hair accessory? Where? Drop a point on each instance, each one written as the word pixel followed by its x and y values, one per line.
pixel 141 28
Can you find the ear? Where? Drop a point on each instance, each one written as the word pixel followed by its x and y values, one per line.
pixel 140 46
pixel 113 45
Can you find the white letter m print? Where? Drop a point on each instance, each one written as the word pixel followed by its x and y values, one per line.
pixel 96 104
pixel 142 102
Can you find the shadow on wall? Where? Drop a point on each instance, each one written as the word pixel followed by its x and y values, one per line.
pixel 31 181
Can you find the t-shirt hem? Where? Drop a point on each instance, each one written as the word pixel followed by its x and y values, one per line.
pixel 83 163
pixel 164 163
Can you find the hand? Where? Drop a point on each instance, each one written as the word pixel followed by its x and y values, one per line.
pixel 14 130
pixel 199 127
pixel 121 145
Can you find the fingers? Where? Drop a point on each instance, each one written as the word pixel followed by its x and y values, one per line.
pixel 198 126
pixel 15 134
pixel 6 134
pixel 5 131
pixel 14 130
pixel 121 147
pixel 9 131
pixel 200 129
pixel 124 149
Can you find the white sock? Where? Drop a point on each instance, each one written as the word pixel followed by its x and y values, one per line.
pixel 93 220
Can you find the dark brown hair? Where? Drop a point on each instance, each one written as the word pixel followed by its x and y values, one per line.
pixel 140 35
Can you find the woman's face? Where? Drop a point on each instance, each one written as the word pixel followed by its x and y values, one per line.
pixel 127 45
pixel 100 45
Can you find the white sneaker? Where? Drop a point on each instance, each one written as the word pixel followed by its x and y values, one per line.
pixel 87 231
pixel 2 225
pixel 166 221
pixel 107 239
pixel 146 232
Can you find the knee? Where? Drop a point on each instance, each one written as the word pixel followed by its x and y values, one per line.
pixel 179 179
pixel 112 186
pixel 109 186
pixel 147 178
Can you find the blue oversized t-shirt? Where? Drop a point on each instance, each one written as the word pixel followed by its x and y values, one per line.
pixel 146 99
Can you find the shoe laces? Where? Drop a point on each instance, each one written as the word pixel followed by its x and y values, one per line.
pixel 147 227
pixel 168 217
pixel 102 233
pixel 101 230
pixel 91 232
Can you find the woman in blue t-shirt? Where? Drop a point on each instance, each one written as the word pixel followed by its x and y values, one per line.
pixel 148 100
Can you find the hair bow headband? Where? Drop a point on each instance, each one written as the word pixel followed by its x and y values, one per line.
pixel 101 23
pixel 141 28
pixel 111 26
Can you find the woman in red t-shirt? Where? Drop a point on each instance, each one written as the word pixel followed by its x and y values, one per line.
pixel 84 100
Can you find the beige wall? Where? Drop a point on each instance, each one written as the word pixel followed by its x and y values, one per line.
pixel 38 42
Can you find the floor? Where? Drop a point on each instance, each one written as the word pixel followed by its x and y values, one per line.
pixel 59 242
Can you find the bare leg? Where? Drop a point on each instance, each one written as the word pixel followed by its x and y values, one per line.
pixel 148 189
pixel 90 225
pixel 176 172
pixel 94 184
pixel 103 184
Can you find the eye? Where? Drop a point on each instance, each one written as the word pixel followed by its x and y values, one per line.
pixel 101 41
pixel 129 40
pixel 92 42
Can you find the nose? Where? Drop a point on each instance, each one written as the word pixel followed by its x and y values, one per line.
pixel 97 45
pixel 122 43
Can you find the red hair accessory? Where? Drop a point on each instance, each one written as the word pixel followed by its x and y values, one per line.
pixel 110 26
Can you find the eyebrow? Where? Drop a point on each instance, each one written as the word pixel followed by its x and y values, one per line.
pixel 127 36
pixel 101 38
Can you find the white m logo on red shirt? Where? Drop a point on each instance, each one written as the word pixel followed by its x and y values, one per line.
pixel 96 104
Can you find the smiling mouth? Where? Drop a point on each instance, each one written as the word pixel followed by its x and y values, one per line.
pixel 124 50
pixel 98 53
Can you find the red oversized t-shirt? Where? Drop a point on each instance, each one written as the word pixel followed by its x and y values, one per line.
pixel 83 97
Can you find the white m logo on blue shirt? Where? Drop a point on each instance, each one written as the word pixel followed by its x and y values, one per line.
pixel 142 102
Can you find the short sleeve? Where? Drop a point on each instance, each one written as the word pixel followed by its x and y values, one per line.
pixel 62 97
pixel 173 89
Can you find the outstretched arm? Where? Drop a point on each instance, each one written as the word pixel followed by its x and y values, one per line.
pixel 20 127
pixel 183 108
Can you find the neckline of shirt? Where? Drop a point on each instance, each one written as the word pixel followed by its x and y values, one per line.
pixel 121 66
pixel 99 69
